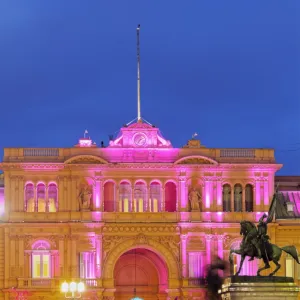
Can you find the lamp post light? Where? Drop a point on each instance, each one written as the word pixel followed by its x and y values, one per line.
pixel 72 290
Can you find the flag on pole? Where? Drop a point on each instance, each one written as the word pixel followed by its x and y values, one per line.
pixel 272 208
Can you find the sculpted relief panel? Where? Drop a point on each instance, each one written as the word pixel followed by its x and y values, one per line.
pixel 170 242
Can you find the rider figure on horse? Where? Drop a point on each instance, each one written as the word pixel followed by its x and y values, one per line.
pixel 262 233
pixel 252 237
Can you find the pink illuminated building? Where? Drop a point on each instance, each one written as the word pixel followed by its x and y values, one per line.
pixel 137 215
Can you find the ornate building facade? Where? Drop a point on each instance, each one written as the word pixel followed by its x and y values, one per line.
pixel 135 217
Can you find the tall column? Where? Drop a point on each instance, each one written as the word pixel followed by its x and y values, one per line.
pixel 35 196
pixel 12 192
pixel 61 250
pixel 21 256
pixel 73 193
pixel 163 199
pixel 147 196
pixel 68 272
pixel 207 194
pixel 184 255
pixel 266 194
pixel 243 199
pixel 67 205
pixel 220 246
pixel 101 195
pixel 208 239
pixel 117 198
pixel 99 256
pixel 6 256
pixel 257 195
pixel 219 196
pixel 21 194
pixel 97 192
pixel 27 256
pixel 183 194
pixel 46 197
pixel 73 257
pixel 232 199
pixel 12 251
pixel 131 204
pixel 60 193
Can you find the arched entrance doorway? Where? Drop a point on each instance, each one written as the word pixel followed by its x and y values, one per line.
pixel 142 271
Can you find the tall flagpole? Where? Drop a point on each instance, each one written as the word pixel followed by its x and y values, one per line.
pixel 139 119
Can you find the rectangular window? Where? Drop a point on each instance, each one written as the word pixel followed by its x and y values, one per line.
pixel 195 265
pixel 87 265
pixel 41 265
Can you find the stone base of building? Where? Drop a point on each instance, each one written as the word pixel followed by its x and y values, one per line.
pixel 259 288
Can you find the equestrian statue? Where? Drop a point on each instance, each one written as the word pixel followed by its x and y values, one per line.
pixel 256 243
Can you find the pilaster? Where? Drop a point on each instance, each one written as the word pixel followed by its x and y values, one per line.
pixel 183 197
pixel 184 256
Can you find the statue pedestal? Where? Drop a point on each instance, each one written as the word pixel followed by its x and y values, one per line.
pixel 259 288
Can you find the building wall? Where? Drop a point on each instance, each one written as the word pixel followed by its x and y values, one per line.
pixel 185 240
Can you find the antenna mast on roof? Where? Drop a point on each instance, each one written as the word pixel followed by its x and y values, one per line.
pixel 139 119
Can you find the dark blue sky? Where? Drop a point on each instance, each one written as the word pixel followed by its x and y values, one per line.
pixel 229 70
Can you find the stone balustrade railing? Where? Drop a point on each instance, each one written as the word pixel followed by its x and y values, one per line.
pixel 54 283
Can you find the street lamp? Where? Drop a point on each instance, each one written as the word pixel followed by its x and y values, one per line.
pixel 72 290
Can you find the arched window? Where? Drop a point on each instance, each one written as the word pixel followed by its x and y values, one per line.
pixel 238 197
pixel 140 197
pixel 109 196
pixel 52 198
pixel 41 263
pixel 170 196
pixel 249 197
pixel 124 196
pixel 29 198
pixel 155 197
pixel 41 197
pixel 226 197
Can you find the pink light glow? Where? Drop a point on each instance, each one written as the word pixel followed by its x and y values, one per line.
pixel 97 216
pixel 183 195
pixel 85 142
pixel 257 193
pixel 208 250
pixel 207 193
pixel 97 195
pixel 219 193
pixel 266 193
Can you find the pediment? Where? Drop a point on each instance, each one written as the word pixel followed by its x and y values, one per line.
pixel 86 159
pixel 196 160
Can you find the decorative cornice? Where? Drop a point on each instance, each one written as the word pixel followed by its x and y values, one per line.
pixel 123 166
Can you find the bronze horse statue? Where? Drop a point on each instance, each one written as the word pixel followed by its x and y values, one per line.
pixel 269 252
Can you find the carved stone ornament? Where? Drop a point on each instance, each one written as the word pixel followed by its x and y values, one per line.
pixel 196 161
pixel 86 159
pixel 141 239
pixel 109 242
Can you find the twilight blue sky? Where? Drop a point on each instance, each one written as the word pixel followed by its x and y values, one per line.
pixel 229 70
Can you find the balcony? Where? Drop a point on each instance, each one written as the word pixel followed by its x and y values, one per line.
pixel 53 283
